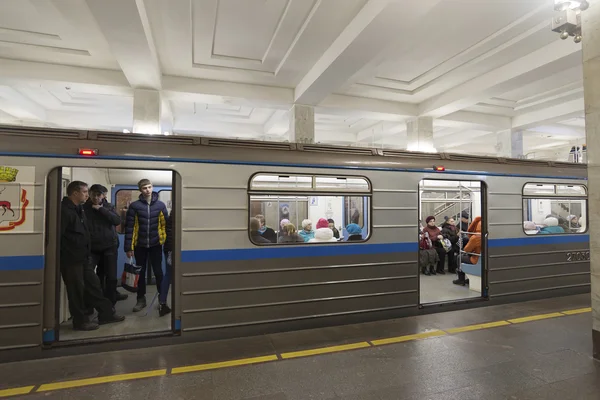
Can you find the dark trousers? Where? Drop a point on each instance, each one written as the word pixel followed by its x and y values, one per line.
pixel 83 287
pixel 106 269
pixel 442 254
pixel 452 259
pixel 143 256
pixel 164 289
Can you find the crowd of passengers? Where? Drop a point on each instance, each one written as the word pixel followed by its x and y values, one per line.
pixel 325 232
pixel 553 224
pixel 446 241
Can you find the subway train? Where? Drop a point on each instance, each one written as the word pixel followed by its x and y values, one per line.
pixel 225 285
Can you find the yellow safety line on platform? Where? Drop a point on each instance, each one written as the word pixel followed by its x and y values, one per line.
pixel 101 379
pixel 578 311
pixel 407 338
pixel 325 350
pixel 16 391
pixel 477 327
pixel 269 358
pixel 224 364
pixel 535 318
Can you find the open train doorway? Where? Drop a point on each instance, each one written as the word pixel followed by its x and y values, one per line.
pixel 128 216
pixel 451 241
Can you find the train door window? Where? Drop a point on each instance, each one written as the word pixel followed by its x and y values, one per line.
pixel 286 209
pixel 109 256
pixel 451 234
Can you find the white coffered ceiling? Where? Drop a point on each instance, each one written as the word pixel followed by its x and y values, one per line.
pixel 232 68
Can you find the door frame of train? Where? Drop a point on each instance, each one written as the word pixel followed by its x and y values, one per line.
pixel 484 245
pixel 53 279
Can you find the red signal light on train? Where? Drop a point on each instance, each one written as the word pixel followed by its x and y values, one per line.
pixel 88 152
pixel 439 168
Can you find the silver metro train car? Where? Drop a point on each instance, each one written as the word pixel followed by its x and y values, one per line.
pixel 342 227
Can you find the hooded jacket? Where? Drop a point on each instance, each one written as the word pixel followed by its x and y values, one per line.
pixel 323 235
pixel 75 243
pixel 146 223
pixel 101 223
pixel 474 245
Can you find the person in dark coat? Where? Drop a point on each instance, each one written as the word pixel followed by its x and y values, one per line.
pixel 102 219
pixel 77 272
pixel 145 234
pixel 462 227
pixel 255 235
pixel 435 235
pixel 354 232
pixel 450 232
pixel 336 233
pixel 266 232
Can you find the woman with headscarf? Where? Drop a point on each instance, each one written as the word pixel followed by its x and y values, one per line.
pixel 354 232
pixel 307 232
pixel 435 235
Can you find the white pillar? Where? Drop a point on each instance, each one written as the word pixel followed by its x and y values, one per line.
pixel 146 111
pixel 590 21
pixel 419 134
pixel 509 144
pixel 302 124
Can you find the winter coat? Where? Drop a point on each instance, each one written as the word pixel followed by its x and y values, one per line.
pixel 353 238
pixel 257 238
pixel 146 224
pixel 336 233
pixel 449 232
pixel 323 235
pixel 433 233
pixel 474 245
pixel 101 223
pixel 75 241
pixel 307 236
pixel 294 238
pixel 169 228
pixel 428 258
pixel 269 234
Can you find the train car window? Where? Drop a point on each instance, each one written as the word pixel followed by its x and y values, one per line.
pixel 314 209
pixel 124 197
pixel 550 209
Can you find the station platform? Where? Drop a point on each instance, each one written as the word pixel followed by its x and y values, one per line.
pixel 534 350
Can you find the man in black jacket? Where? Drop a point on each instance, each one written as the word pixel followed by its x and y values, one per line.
pixel 102 219
pixel 78 274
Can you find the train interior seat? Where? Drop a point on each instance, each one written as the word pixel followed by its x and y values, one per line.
pixel 473 274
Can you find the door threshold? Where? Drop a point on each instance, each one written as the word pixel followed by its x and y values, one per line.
pixel 453 302
pixel 108 339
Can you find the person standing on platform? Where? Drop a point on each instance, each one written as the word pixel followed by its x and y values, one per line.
pixel 102 220
pixel 83 285
pixel 145 234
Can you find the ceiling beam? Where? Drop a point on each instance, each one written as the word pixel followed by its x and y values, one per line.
pixel 555 113
pixel 278 123
pixel 558 55
pixel 475 120
pixel 125 25
pixel 19 106
pixel 365 38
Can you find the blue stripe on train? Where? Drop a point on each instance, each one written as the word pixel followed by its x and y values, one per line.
pixel 20 263
pixel 539 240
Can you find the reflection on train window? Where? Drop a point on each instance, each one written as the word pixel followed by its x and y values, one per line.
pixel 124 197
pixel 314 209
pixel 555 209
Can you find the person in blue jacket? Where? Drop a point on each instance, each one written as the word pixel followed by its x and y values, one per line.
pixel 145 234
pixel 551 227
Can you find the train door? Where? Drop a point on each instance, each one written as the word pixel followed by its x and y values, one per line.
pixel 452 241
pixel 121 191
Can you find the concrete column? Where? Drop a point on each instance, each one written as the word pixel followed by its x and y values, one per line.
pixel 419 134
pixel 146 111
pixel 302 124
pixel 590 21
pixel 509 144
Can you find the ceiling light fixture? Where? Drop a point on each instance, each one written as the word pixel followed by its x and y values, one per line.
pixel 567 19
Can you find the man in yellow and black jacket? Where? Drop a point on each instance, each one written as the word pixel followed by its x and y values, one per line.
pixel 145 234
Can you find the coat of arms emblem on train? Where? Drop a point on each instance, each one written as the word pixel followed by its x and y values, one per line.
pixel 13 199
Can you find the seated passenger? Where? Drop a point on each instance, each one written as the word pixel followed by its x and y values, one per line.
pixel 283 223
pixel 267 233
pixel 354 232
pixel 255 235
pixel 530 228
pixel 289 235
pixel 323 233
pixel 551 227
pixel 573 222
pixel 336 233
pixel 307 233
pixel 474 247
pixel 435 235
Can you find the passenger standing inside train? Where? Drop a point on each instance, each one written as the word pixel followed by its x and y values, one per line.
pixel 102 219
pixel 450 232
pixel 145 234
pixel 163 308
pixel 463 227
pixel 435 235
pixel 76 269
